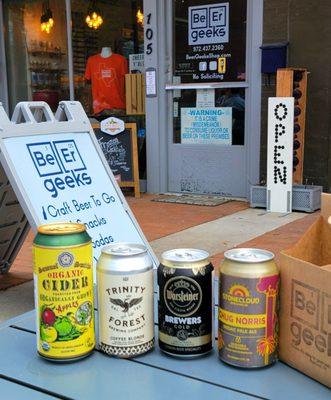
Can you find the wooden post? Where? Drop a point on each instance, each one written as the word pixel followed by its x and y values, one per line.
pixel 135 94
pixel 292 82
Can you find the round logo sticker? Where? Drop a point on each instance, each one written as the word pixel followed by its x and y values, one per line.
pixel 182 296
pixel 65 259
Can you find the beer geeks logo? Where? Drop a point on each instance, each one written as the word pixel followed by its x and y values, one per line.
pixel 208 24
pixel 59 164
pixel 240 295
pixel 183 296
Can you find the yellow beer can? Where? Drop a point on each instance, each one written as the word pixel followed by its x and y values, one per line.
pixel 63 282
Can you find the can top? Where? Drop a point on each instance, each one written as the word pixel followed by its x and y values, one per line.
pixel 124 249
pixel 61 228
pixel 246 255
pixel 184 256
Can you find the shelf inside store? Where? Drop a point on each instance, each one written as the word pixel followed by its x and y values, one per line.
pixel 49 53
pixel 48 86
pixel 47 69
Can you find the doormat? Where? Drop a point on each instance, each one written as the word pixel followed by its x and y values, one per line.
pixel 196 200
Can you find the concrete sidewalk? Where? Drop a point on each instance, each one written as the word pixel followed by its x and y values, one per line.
pixel 167 226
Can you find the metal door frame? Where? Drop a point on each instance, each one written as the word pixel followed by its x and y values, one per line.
pixel 158 109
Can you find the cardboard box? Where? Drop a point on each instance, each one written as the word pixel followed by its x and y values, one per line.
pixel 305 300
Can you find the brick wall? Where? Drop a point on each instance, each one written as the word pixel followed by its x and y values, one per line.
pixel 306 25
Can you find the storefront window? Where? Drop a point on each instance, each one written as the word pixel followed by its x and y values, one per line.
pixel 37 62
pixel 209 41
pixel 111 51
pixel 209 116
pixel 108 63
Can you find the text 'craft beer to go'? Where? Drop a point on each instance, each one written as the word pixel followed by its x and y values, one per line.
pixel 125 300
pixel 185 303
pixel 63 279
pixel 248 308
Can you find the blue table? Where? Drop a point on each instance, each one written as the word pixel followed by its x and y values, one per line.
pixel 153 376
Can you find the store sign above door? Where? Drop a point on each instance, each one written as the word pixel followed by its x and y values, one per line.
pixel 59 173
pixel 209 24
pixel 209 41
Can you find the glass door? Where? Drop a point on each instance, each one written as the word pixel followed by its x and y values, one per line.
pixel 207 146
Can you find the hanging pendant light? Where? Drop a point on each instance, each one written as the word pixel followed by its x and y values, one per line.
pixel 93 18
pixel 46 19
pixel 140 17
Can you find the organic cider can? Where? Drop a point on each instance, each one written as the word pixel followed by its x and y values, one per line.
pixel 248 308
pixel 63 281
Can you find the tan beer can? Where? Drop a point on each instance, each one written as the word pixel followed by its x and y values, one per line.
pixel 248 308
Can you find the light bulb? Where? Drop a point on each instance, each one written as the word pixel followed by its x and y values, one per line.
pixel 88 19
pixel 94 15
pixel 51 22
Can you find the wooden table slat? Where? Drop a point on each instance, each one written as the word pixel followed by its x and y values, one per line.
pixel 276 382
pixel 99 375
pixel 12 390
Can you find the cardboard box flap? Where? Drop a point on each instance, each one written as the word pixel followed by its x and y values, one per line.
pixel 326 205
pixel 314 246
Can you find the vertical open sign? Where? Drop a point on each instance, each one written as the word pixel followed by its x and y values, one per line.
pixel 280 154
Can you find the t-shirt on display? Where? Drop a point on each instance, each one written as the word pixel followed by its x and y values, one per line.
pixel 107 76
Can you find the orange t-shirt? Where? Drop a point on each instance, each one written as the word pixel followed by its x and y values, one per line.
pixel 108 81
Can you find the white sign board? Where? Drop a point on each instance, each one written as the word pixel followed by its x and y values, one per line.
pixel 59 173
pixel 280 154
pixel 150 82
pixel 206 125
pixel 112 126
pixel 136 63
pixel 205 98
pixel 208 24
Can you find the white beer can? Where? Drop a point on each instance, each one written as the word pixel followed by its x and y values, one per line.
pixel 125 300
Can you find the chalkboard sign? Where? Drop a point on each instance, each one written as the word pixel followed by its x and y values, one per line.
pixel 121 153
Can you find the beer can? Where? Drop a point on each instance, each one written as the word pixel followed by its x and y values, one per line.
pixel 125 300
pixel 248 308
pixel 63 282
pixel 185 303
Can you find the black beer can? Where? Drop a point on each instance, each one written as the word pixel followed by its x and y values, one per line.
pixel 185 303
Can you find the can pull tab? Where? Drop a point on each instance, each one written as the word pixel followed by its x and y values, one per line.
pixel 186 255
pixel 122 250
pixel 249 255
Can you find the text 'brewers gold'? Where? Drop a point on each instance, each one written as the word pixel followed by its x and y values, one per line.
pixel 185 302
